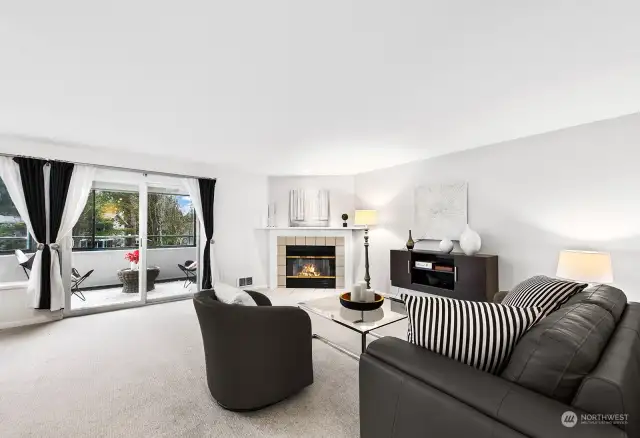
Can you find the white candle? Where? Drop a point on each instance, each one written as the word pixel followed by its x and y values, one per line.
pixel 370 296
pixel 356 293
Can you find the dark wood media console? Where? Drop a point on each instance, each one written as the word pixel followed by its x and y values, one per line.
pixel 455 275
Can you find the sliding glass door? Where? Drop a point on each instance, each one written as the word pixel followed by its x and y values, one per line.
pixel 172 242
pixel 106 246
pixel 135 243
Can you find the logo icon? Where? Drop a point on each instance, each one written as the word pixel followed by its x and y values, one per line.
pixel 569 419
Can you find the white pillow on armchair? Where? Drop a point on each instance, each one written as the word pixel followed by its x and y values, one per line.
pixel 232 295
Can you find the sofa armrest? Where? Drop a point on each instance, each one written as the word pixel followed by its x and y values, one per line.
pixel 518 408
pixel 499 296
pixel 260 299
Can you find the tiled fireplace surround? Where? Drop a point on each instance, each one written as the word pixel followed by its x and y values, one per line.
pixel 283 241
pixel 341 238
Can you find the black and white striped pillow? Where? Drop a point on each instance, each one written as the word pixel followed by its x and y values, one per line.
pixel 482 335
pixel 544 292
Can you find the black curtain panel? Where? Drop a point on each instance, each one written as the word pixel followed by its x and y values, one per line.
pixel 32 177
pixel 60 180
pixel 207 191
pixel 58 187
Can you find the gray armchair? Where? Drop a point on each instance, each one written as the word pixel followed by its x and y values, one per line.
pixel 255 356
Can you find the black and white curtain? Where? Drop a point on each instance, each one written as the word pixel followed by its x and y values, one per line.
pixel 202 193
pixel 50 197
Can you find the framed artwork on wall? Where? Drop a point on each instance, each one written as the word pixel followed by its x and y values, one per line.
pixel 441 210
pixel 308 208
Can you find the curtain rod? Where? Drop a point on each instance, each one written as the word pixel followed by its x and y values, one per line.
pixel 103 166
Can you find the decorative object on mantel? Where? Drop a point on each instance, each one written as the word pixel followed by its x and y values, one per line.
pixel 441 210
pixel 410 242
pixel 271 215
pixel 345 216
pixel 470 241
pixel 134 258
pixel 366 218
pixel 308 208
pixel 375 303
pixel 446 246
pixel 585 266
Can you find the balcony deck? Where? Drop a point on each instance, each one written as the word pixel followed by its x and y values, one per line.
pixel 114 295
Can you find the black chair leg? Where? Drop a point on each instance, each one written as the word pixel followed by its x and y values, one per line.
pixel 79 294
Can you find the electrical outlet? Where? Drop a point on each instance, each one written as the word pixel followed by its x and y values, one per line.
pixel 241 282
pixel 249 281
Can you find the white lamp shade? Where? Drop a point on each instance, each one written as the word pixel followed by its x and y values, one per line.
pixel 366 217
pixel 585 266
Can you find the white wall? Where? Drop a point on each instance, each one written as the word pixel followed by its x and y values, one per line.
pixel 240 205
pixel 577 188
pixel 341 195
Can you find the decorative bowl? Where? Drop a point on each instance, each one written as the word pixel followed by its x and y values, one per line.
pixel 345 300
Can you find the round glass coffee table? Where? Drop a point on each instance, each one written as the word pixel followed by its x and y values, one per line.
pixel 392 310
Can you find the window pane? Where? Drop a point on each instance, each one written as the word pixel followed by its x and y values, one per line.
pixel 13 231
pixel 170 220
pixel 109 220
pixel 82 231
pixel 116 219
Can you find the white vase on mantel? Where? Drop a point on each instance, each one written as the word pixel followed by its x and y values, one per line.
pixel 134 266
pixel 470 241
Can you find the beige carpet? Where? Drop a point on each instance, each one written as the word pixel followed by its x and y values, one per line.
pixel 140 373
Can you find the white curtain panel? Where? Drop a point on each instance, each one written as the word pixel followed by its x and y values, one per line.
pixel 80 185
pixel 193 188
pixel 10 173
pixel 79 188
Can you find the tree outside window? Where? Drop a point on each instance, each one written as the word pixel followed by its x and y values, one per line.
pixel 110 220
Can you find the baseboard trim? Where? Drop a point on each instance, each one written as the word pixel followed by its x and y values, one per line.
pixel 31 321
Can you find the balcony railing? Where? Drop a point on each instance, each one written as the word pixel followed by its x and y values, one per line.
pixel 132 241
pixel 11 243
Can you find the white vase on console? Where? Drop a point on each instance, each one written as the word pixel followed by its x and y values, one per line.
pixel 470 241
pixel 446 246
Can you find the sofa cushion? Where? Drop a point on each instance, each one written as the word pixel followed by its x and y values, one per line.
pixel 607 297
pixel 555 355
pixel 479 334
pixel 544 292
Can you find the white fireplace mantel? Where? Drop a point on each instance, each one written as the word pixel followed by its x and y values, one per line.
pixel 346 232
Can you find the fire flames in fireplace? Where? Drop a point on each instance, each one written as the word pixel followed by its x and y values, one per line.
pixel 309 270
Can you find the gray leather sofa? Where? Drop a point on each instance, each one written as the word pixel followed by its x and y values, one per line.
pixel 255 356
pixel 583 358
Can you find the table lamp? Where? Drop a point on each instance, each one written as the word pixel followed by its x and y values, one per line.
pixel 585 266
pixel 366 218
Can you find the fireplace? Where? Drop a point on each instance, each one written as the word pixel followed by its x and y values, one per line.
pixel 311 266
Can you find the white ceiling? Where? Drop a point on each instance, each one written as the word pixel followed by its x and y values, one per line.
pixel 313 87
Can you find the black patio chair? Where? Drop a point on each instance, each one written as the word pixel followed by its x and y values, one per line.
pixel 25 261
pixel 189 269
pixel 76 281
